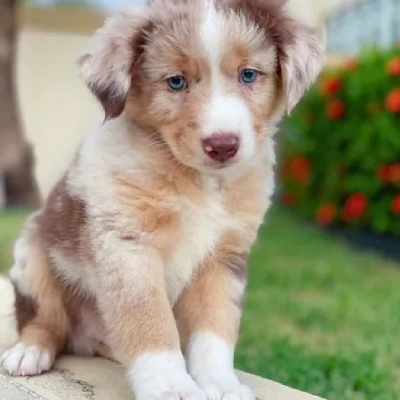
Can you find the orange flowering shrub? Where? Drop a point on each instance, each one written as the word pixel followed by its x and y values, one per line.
pixel 335 109
pixel 396 205
pixel 393 66
pixel 341 153
pixel 331 86
pixel 393 101
pixel 355 207
pixel 326 214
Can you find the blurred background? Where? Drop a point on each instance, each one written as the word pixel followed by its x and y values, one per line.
pixel 322 311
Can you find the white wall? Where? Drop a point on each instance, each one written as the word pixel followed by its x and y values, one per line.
pixel 306 10
pixel 313 12
pixel 56 107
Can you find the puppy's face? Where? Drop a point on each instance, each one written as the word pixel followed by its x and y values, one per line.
pixel 207 84
pixel 209 78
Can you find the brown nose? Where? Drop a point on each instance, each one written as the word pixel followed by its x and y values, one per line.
pixel 221 146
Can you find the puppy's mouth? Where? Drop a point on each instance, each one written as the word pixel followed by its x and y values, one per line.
pixel 218 165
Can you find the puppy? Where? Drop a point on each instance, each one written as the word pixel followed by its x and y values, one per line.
pixel 140 250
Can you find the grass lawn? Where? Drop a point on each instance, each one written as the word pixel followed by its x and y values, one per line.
pixel 319 316
pixel 10 225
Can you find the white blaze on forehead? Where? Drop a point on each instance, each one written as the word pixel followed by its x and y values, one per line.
pixel 212 33
pixel 230 114
pixel 226 113
pixel 223 112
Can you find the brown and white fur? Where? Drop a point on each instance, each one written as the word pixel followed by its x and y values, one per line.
pixel 140 251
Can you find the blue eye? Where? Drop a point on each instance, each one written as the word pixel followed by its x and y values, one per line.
pixel 248 76
pixel 177 83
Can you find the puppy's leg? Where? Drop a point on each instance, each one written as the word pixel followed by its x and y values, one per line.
pixel 42 322
pixel 141 329
pixel 208 315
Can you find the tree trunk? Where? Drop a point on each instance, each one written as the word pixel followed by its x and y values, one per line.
pixel 17 183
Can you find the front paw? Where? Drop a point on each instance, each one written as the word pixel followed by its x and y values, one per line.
pixel 171 393
pixel 225 389
pixel 210 363
pixel 163 377
pixel 23 360
pixel 183 388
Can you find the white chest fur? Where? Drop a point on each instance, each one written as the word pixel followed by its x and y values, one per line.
pixel 201 229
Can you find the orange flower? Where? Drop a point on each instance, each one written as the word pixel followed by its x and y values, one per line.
pixel 332 86
pixel 352 64
pixel 326 214
pixel 383 173
pixel 393 66
pixel 300 170
pixel 393 101
pixel 289 199
pixel 335 109
pixel 355 207
pixel 394 172
pixel 396 205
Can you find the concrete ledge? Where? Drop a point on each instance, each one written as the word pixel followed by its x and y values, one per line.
pixel 76 378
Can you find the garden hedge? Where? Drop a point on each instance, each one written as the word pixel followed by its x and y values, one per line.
pixel 341 146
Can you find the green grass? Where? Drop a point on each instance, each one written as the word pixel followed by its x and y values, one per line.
pixel 319 316
pixel 10 225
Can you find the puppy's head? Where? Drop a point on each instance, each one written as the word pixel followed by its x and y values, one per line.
pixel 210 78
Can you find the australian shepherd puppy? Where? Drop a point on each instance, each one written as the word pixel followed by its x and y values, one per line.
pixel 140 250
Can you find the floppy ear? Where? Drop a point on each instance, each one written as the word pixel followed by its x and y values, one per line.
pixel 301 61
pixel 300 52
pixel 107 65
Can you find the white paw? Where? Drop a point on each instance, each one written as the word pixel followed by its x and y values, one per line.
pixel 210 363
pixel 182 388
pixel 223 391
pixel 21 360
pixel 163 376
pixel 173 394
